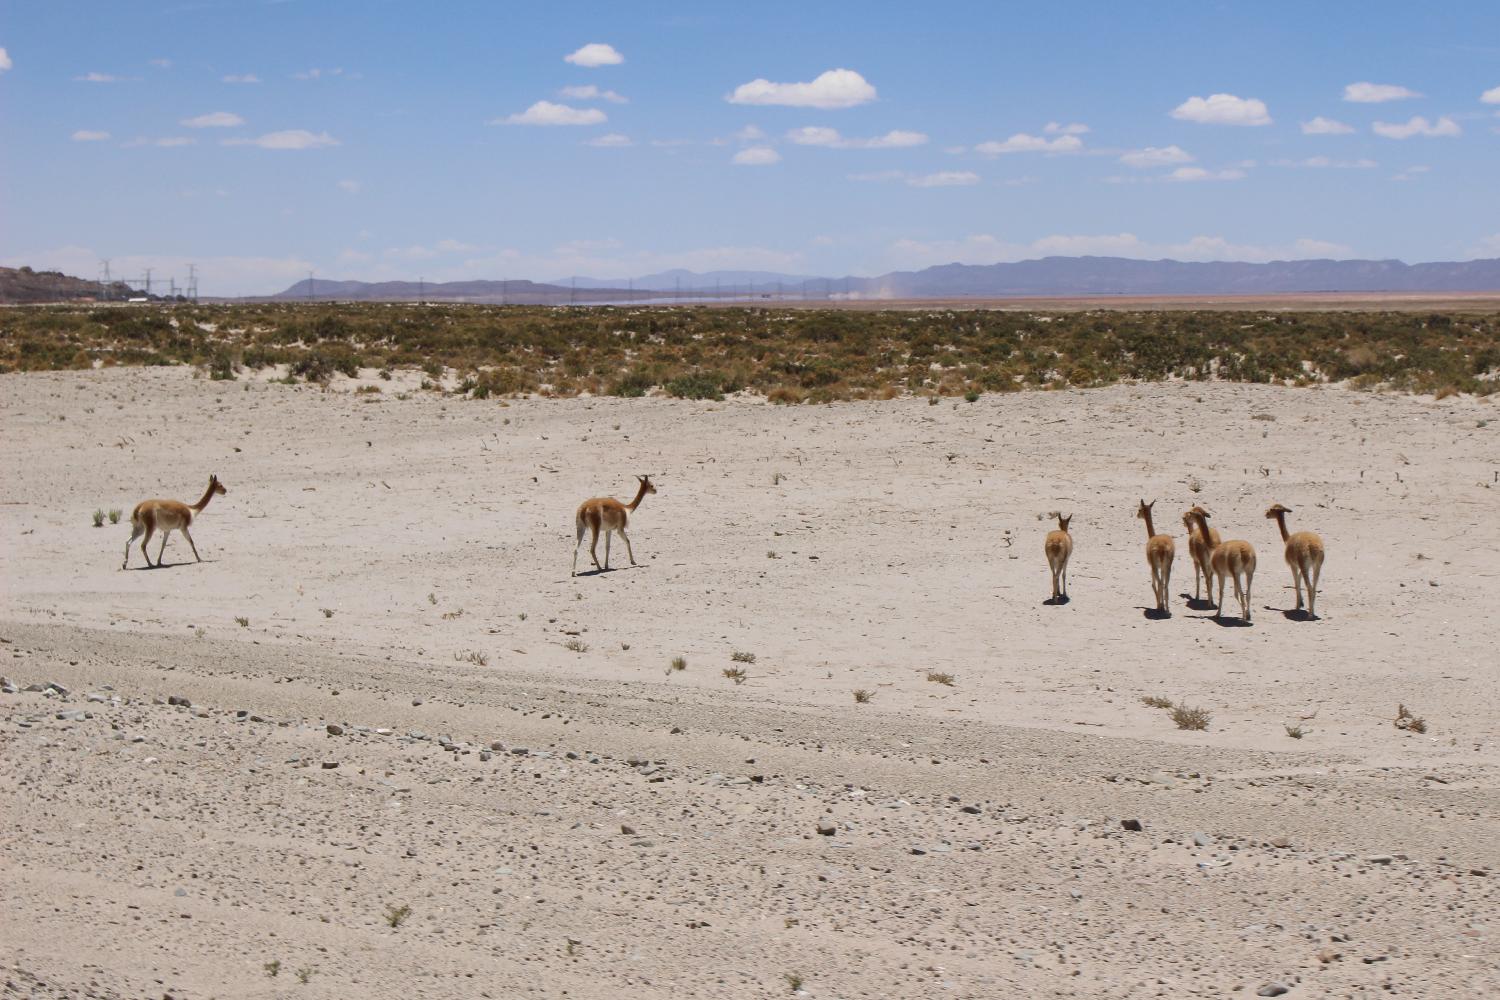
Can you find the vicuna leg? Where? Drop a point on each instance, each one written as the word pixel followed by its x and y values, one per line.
pixel 607 534
pixel 190 543
pixel 628 551
pixel 594 545
pixel 164 536
pixel 1166 586
pixel 1312 587
pixel 135 532
pixel 578 524
pixel 150 530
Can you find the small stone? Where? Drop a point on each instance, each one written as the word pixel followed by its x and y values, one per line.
pixel 1133 825
pixel 485 755
pixel 1380 859
pixel 497 746
pixel 519 751
pixel 971 810
pixel 329 765
pixel 827 828
pixel 627 830
pixel 1202 840
pixel 1273 990
pixel 335 730
pixel 1282 842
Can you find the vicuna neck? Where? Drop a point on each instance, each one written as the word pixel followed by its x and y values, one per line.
pixel 640 493
pixel 1281 523
pixel 208 495
pixel 1150 528
pixel 1202 524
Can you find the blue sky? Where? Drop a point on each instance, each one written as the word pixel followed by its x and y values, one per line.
pixel 379 139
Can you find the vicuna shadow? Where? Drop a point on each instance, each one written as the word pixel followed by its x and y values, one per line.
pixel 1197 603
pixel 1295 614
pixel 1057 602
pixel 1154 615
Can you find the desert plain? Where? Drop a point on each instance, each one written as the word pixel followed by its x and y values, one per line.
pixel 380 743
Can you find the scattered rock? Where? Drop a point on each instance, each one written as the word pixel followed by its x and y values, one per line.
pixel 335 730
pixel 1133 825
pixel 1273 990
pixel 627 830
pixel 329 765
pixel 971 810
pixel 827 828
pixel 1281 842
pixel 1380 859
pixel 1202 840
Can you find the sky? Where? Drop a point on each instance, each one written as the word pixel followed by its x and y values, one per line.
pixel 374 139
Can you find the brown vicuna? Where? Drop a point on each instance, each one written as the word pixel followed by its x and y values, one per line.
pixel 607 514
pixel 1234 560
pixel 166 516
pixel 1160 551
pixel 1059 548
pixel 1198 552
pixel 1304 554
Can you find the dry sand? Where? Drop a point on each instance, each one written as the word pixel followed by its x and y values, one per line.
pixel 642 832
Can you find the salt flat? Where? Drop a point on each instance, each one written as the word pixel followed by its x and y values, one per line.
pixel 402 565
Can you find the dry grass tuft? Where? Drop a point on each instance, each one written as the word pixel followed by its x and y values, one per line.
pixel 863 696
pixel 1156 701
pixel 1190 718
pixel 1411 723
pixel 736 674
pixel 738 657
pixel 940 678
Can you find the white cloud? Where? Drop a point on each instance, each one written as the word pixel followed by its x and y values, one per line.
pixel 836 88
pixel 1200 174
pixel 5 62
pixel 1376 93
pixel 750 133
pixel 1023 143
pixel 89 135
pixel 240 78
pixel 214 119
pixel 350 186
pixel 1325 126
pixel 317 74
pixel 99 78
pixel 1491 96
pixel 816 135
pixel 589 92
pixel 1417 125
pixel 162 63
pixel 1324 161
pixel 1156 156
pixel 1223 109
pixel 756 156
pixel 457 246
pixel 944 178
pixel 613 140
pixel 603 259
pixel 547 113
pixel 1056 128
pixel 1410 173
pixel 1488 246
pixel 296 138
pixel 595 54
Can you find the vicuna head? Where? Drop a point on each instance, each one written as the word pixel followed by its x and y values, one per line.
pixel 216 487
pixel 1276 510
pixel 1144 510
pixel 1063 522
pixel 646 486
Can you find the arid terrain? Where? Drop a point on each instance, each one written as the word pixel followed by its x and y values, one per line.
pixel 378 743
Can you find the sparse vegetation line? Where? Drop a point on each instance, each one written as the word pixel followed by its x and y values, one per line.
pixel 789 355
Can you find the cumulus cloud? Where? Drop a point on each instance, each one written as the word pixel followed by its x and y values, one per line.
pixel 1491 96
pixel 1417 125
pixel 296 138
pixel 240 78
pixel 1325 126
pixel 349 186
pixel 944 178
pixel 317 74
pixel 1223 109
pixel 169 142
pixel 595 54
pixel 214 119
pixel 1200 174
pixel 836 88
pixel 1325 162
pixel 547 113
pixel 1055 128
pixel 756 156
pixel 1023 143
pixel 750 133
pixel 1156 156
pixel 613 140
pixel 1410 173
pixel 815 135
pixel 589 92
pixel 5 62
pixel 1376 93
pixel 89 135
pixel 99 78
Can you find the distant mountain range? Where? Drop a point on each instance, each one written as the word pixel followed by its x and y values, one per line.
pixel 1049 276
pixel 22 285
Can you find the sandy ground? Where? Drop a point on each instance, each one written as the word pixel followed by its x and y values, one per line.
pixel 588 822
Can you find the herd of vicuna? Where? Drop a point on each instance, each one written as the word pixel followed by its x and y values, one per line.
pixel 1213 559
